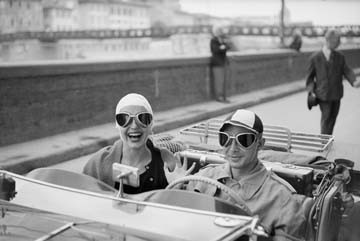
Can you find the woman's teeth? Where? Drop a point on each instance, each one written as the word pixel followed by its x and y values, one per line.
pixel 134 136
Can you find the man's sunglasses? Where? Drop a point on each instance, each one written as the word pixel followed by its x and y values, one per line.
pixel 243 139
pixel 144 119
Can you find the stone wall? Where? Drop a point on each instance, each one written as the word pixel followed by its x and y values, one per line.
pixel 40 99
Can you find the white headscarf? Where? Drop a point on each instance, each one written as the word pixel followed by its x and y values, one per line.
pixel 133 99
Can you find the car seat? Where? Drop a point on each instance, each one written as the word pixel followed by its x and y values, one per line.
pixel 326 213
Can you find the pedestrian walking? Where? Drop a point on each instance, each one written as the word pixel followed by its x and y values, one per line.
pixel 326 70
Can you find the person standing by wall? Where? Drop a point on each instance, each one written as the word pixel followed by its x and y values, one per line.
pixel 326 70
pixel 219 62
pixel 296 42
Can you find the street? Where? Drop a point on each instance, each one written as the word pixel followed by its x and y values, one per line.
pixel 292 112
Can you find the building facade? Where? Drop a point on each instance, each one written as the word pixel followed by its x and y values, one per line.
pixel 97 15
pixel 113 14
pixel 61 15
pixel 21 15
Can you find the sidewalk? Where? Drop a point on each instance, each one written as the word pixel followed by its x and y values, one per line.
pixel 22 158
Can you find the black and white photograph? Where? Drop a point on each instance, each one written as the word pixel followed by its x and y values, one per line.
pixel 179 120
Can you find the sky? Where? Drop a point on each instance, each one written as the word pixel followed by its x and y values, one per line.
pixel 320 12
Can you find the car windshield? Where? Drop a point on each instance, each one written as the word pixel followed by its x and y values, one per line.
pixel 63 206
pixel 37 224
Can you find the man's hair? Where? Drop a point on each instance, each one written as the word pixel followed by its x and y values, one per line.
pixel 331 33
pixel 216 30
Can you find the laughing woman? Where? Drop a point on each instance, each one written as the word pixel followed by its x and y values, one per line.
pixel 134 121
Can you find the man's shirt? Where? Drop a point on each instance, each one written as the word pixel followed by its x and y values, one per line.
pixel 327 52
pixel 267 195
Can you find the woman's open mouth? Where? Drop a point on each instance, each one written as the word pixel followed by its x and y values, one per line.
pixel 135 136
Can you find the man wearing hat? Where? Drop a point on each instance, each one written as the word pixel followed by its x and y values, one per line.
pixel 280 210
pixel 326 70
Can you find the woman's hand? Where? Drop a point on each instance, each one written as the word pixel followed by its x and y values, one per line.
pixel 180 169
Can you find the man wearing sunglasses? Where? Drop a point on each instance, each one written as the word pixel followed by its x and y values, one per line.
pixel 267 195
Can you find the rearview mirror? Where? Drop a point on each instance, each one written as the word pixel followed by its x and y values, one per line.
pixel 129 175
pixel 125 175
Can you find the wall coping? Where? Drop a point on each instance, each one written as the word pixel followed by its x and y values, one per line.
pixel 61 67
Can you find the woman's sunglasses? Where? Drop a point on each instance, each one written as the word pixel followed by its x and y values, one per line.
pixel 243 139
pixel 144 119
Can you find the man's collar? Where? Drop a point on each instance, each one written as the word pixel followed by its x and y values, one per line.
pixel 250 184
pixel 224 172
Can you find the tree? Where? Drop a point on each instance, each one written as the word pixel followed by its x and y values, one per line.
pixel 282 25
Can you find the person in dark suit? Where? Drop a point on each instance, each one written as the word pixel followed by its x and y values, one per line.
pixel 296 42
pixel 326 70
pixel 219 62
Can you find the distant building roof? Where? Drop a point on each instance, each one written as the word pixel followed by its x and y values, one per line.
pixel 122 2
pixel 68 4
pixel 201 15
pixel 58 7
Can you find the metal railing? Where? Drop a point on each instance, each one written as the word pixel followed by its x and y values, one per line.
pixel 276 137
pixel 232 30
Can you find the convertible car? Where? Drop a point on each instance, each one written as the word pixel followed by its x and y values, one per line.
pixel 54 204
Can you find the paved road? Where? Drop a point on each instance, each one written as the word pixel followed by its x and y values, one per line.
pixel 292 112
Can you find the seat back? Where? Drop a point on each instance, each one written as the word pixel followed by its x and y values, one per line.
pixel 327 212
pixel 193 200
pixel 71 179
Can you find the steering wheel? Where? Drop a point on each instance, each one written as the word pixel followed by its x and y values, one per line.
pixel 239 201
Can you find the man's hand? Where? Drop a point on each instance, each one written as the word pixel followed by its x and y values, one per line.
pixel 180 169
pixel 356 84
pixel 312 94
